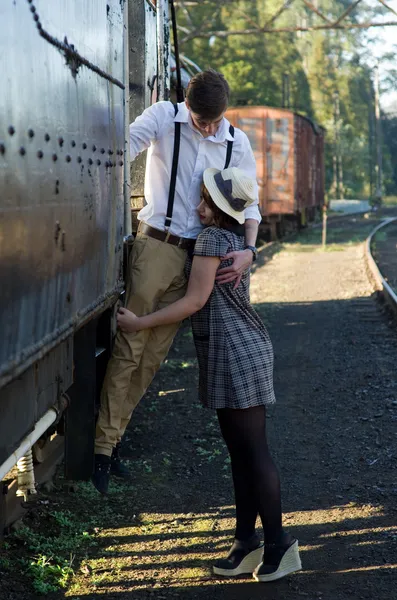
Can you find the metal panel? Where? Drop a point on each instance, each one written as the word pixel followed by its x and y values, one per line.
pixel 143 80
pixel 309 144
pixel 61 170
pixel 279 172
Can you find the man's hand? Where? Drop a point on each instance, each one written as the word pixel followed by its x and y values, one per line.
pixel 242 260
pixel 127 320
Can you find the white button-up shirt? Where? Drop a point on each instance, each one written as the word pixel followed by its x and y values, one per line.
pixel 154 129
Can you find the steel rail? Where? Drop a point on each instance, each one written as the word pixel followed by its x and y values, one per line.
pixel 375 274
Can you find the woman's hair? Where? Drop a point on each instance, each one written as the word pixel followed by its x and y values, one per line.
pixel 221 219
pixel 208 94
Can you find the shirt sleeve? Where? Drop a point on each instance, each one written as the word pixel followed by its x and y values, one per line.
pixel 211 242
pixel 246 162
pixel 146 128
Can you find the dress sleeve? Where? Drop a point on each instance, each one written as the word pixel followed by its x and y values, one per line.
pixel 211 242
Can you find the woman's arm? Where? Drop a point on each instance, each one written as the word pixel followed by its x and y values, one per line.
pixel 201 283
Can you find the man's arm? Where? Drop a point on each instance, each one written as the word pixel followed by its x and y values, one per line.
pixel 145 129
pixel 251 232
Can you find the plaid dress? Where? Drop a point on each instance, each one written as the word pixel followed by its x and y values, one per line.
pixel 234 351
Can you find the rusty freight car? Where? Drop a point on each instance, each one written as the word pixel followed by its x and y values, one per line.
pixel 289 153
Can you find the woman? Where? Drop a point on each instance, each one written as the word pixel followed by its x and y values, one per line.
pixel 235 359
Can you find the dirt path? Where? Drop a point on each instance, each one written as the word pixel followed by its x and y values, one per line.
pixel 332 432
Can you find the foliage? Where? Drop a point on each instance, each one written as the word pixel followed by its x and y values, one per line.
pixel 318 63
pixel 49 557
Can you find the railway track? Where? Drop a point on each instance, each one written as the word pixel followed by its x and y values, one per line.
pixel 381 255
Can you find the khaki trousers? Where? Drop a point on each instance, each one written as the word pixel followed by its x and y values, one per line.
pixel 156 279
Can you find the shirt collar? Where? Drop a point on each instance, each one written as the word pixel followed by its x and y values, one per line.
pixel 223 133
pixel 182 116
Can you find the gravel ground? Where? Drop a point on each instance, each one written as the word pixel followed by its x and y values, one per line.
pixel 332 431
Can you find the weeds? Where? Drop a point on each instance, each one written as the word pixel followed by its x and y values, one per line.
pixel 49 558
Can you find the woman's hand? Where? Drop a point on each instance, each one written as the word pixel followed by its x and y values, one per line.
pixel 242 260
pixel 127 320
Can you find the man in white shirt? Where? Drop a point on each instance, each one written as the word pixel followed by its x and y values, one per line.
pixel 169 224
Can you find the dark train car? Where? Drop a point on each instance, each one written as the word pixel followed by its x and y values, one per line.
pixel 62 153
pixel 289 153
pixel 74 75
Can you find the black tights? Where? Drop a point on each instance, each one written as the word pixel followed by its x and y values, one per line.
pixel 255 476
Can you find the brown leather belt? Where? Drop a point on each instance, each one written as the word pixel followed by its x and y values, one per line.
pixel 165 236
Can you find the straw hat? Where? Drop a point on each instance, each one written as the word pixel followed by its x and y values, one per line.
pixel 231 190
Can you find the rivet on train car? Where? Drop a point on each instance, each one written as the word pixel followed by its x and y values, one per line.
pixel 102 150
pixel 68 158
pixel 60 141
pixel 90 161
pixel 11 130
pixel 36 18
pixel 73 143
pixel 63 241
pixel 121 163
pixel 33 9
pixel 2 149
pixel 98 162
pixel 54 157
pixel 121 153
pixel 108 164
pixel 22 151
pixel 30 133
pixel 79 159
pixel 110 151
pixel 68 297
pixel 47 137
pixel 40 154
pixel 94 148
pixel 84 146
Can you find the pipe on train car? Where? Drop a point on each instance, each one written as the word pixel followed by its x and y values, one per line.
pixel 41 427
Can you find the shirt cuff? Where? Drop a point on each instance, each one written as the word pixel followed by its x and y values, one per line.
pixel 252 212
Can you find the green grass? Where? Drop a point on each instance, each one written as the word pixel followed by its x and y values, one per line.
pixel 390 201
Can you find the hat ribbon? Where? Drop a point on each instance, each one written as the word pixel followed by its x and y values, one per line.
pixel 226 189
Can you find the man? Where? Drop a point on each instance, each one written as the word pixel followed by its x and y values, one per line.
pixel 183 141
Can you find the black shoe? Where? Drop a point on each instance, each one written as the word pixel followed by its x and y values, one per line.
pixel 100 477
pixel 243 558
pixel 279 560
pixel 117 468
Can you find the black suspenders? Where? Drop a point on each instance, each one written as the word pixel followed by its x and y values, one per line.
pixel 171 194
pixel 229 147
pixel 175 158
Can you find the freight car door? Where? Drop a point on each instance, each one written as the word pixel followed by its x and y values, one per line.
pixel 251 124
pixel 279 162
